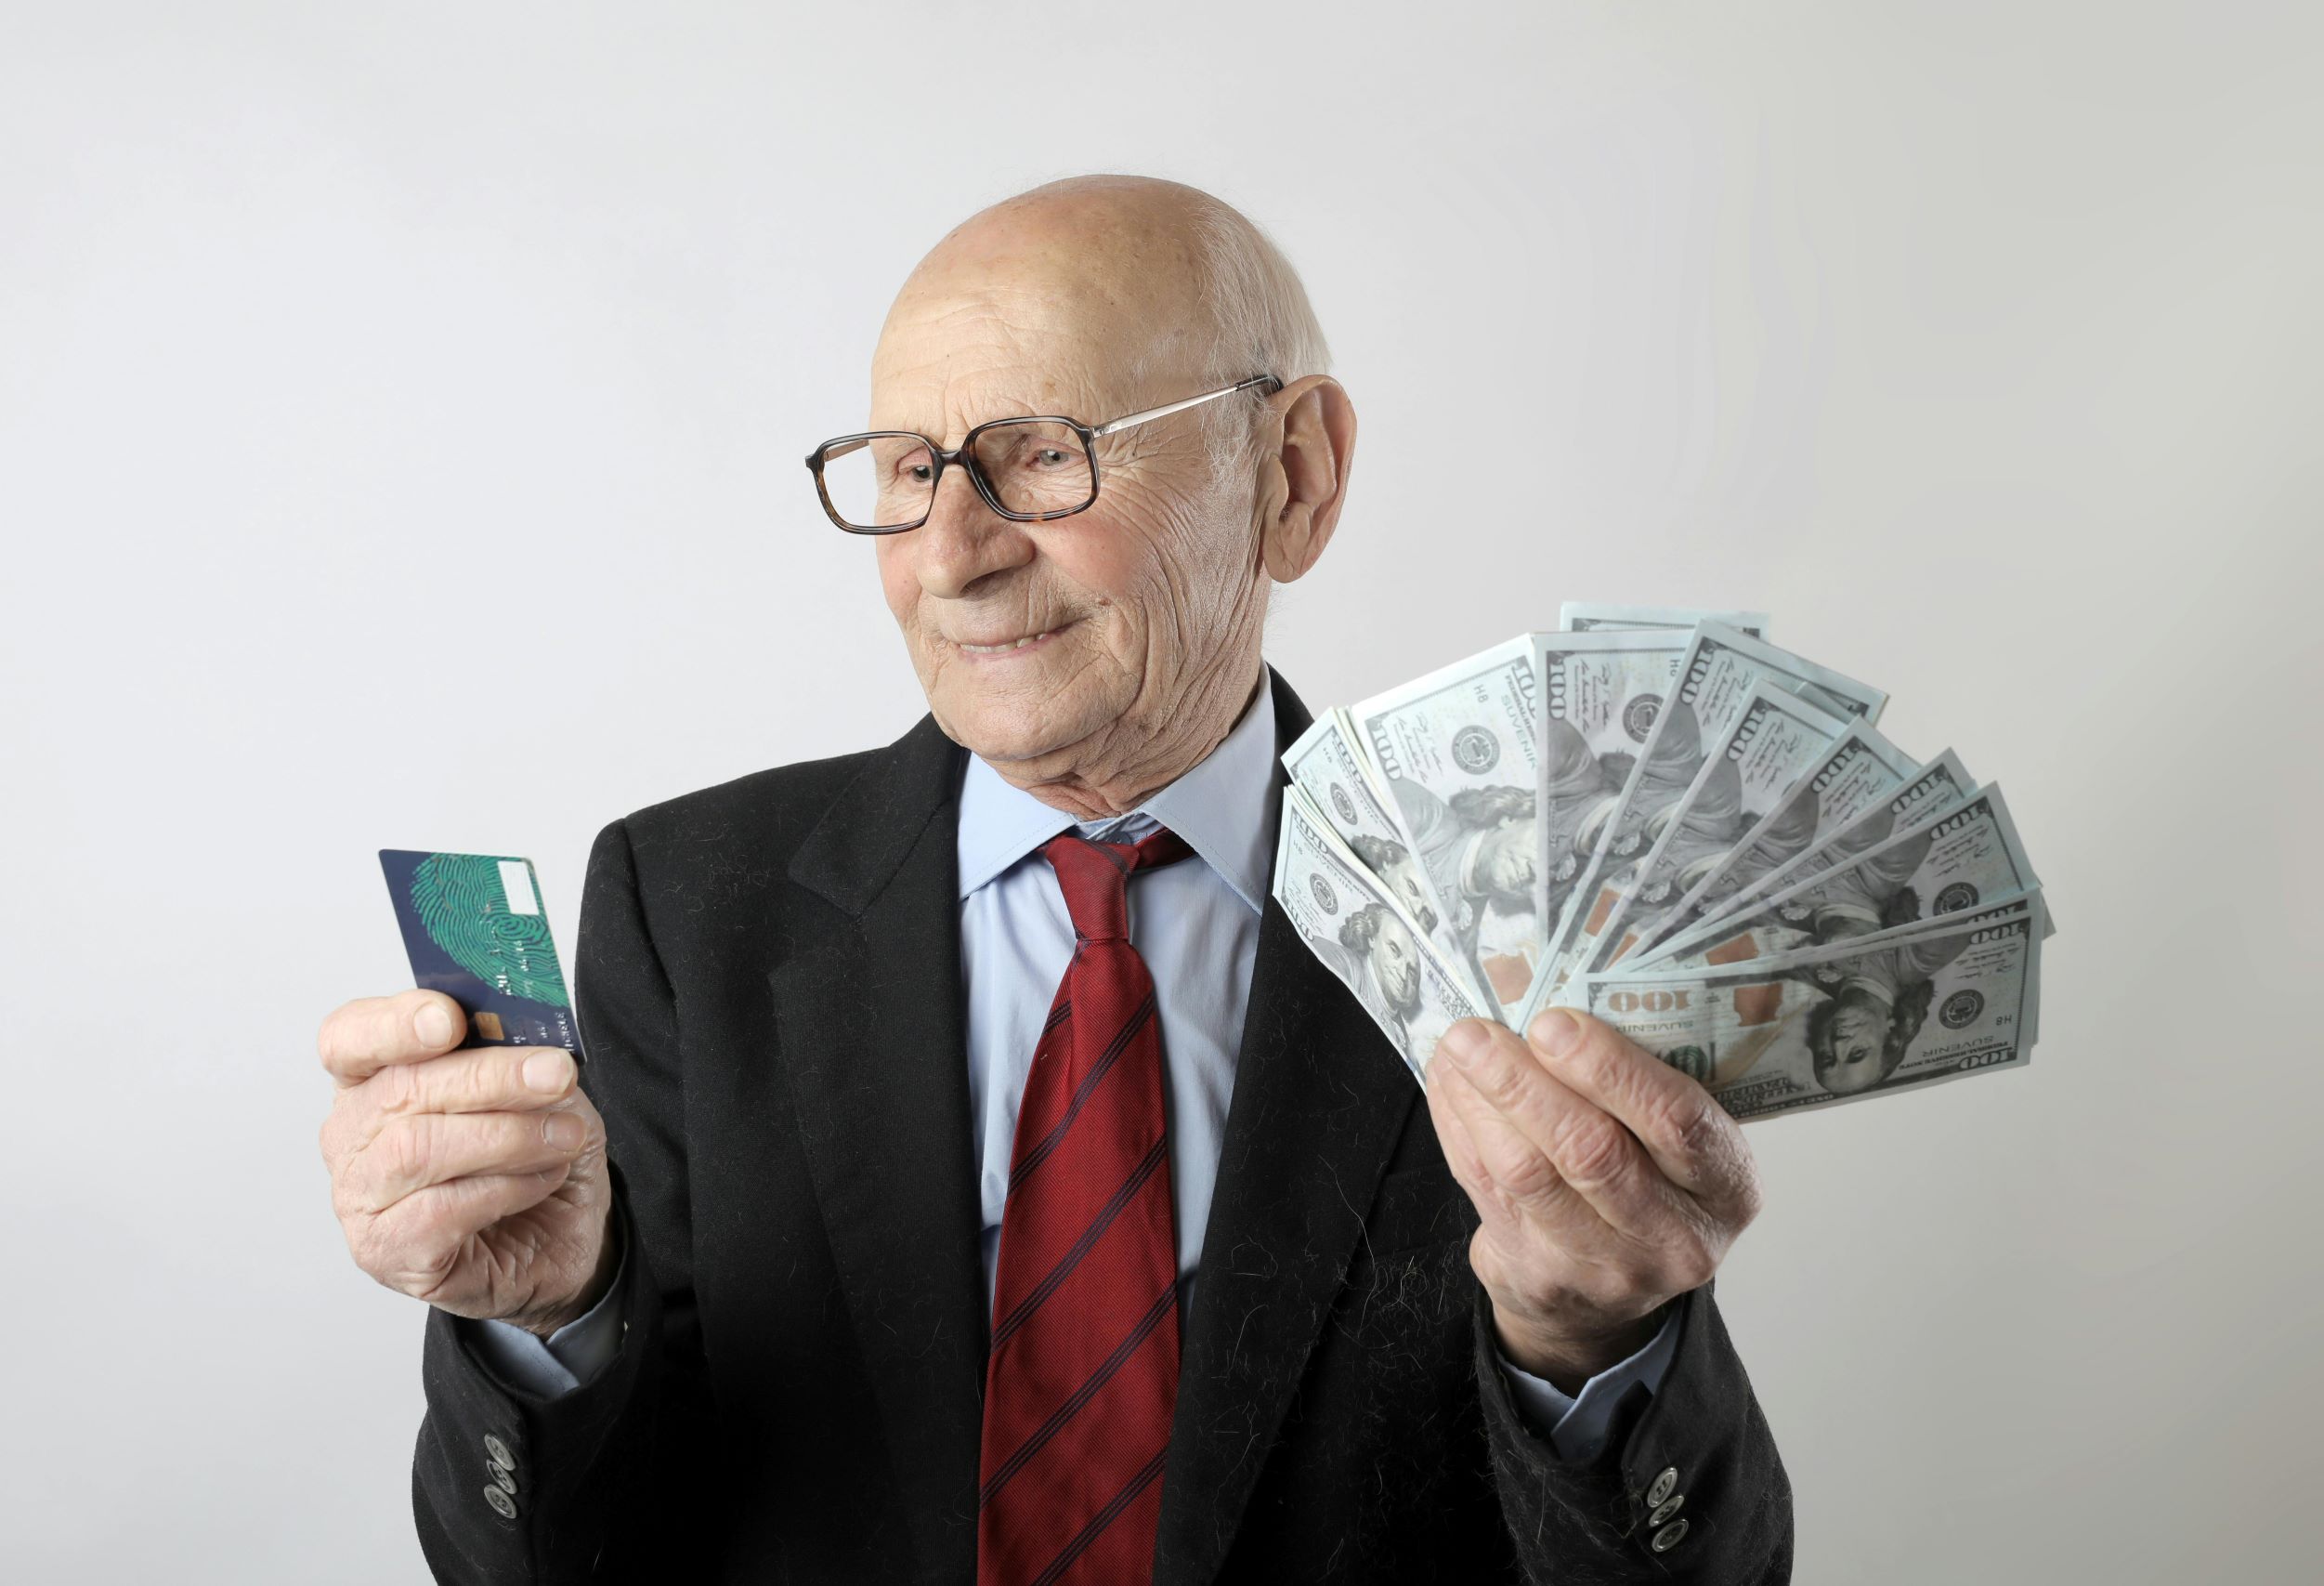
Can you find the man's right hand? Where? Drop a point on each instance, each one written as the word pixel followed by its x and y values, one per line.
pixel 474 1178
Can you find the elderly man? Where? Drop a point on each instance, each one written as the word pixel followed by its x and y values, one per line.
pixel 976 1178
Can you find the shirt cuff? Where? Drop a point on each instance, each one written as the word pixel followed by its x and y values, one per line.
pixel 565 1361
pixel 1576 1426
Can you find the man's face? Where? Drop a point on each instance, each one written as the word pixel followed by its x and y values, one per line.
pixel 1397 963
pixel 1505 862
pixel 1858 1030
pixel 1050 645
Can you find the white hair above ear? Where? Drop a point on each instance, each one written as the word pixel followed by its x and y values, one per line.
pixel 1261 323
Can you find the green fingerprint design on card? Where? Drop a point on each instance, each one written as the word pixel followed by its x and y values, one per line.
pixel 463 910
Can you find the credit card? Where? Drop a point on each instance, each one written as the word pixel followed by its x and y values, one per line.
pixel 475 929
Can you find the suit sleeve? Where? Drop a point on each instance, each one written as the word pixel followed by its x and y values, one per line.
pixel 1576 1423
pixel 515 1487
pixel 1697 1447
pixel 573 1355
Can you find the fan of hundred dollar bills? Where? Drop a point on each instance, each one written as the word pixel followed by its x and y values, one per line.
pixel 1659 816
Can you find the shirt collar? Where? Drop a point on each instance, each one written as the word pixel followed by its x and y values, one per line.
pixel 1223 808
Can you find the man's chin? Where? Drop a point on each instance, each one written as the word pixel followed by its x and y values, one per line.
pixel 1007 731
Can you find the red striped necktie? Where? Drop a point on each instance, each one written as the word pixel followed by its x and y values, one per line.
pixel 1084 1365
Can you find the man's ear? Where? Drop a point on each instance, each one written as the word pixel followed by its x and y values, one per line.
pixel 1303 485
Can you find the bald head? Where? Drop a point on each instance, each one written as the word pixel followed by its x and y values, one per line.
pixel 1162 288
pixel 1094 656
pixel 1126 245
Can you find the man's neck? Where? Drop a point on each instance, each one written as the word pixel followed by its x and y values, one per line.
pixel 1197 724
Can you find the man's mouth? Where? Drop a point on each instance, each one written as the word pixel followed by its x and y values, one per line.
pixel 1007 646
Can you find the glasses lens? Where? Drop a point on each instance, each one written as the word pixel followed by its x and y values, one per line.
pixel 879 482
pixel 1035 466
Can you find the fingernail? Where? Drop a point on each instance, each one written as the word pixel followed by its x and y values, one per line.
pixel 562 1131
pixel 1555 1031
pixel 1467 1040
pixel 547 1072
pixel 432 1023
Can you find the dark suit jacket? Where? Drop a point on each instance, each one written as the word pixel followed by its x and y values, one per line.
pixel 770 1001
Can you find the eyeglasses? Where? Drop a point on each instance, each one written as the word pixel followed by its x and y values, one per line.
pixel 1028 470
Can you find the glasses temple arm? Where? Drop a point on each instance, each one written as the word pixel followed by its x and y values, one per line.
pixel 1168 408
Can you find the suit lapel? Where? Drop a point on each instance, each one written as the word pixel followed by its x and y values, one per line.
pixel 1319 1103
pixel 871 1011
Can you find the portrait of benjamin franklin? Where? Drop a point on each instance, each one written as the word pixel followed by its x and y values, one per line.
pixel 1387 979
pixel 1391 862
pixel 1478 849
pixel 1873 1009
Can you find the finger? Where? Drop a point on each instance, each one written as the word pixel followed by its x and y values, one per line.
pixel 366 1035
pixel 479 1079
pixel 1510 1158
pixel 1588 1150
pixel 1688 1135
pixel 1460 1152
pixel 426 1227
pixel 418 1245
pixel 427 1148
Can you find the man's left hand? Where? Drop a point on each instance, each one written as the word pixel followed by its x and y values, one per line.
pixel 1608 1183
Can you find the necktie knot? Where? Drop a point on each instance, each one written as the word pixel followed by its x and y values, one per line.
pixel 1096 877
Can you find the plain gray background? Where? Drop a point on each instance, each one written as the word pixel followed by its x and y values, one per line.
pixel 401 416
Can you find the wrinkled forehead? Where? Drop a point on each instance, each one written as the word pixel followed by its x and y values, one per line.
pixel 981 334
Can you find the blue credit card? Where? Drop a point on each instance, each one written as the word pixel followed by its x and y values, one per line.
pixel 475 929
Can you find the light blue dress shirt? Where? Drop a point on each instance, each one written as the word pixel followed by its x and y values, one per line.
pixel 1196 924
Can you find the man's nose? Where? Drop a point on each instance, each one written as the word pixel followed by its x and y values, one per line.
pixel 964 541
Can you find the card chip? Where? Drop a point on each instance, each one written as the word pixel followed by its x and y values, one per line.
pixel 488 1025
pixel 517 881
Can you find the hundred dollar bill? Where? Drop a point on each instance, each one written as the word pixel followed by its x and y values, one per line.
pixel 1713 685
pixel 1601 694
pixel 1361 935
pixel 1857 769
pixel 2034 905
pixel 1590 616
pixel 1456 751
pixel 1911 1007
pixel 1775 737
pixel 1932 790
pixel 1328 767
pixel 1967 858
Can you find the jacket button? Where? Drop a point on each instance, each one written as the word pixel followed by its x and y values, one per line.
pixel 505 1506
pixel 1668 1537
pixel 501 1456
pixel 1663 1486
pixel 1662 1511
pixel 502 1478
